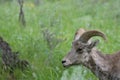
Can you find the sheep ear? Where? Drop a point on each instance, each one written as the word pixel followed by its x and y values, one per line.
pixel 93 44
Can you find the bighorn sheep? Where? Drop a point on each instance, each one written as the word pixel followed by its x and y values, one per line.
pixel 104 66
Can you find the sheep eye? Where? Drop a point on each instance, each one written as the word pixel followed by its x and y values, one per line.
pixel 79 50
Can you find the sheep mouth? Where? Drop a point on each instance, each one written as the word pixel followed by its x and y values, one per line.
pixel 66 65
pixel 69 65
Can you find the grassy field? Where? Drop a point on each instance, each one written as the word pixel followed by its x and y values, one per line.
pixel 58 21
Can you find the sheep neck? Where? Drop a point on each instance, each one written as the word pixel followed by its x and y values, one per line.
pixel 99 66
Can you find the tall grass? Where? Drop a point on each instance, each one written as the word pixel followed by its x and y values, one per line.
pixel 61 18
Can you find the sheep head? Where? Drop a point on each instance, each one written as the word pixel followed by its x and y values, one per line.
pixel 81 48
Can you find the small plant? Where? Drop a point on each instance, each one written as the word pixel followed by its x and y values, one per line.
pixel 52 41
pixel 21 13
pixel 10 60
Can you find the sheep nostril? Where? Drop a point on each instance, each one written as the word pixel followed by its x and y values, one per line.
pixel 63 61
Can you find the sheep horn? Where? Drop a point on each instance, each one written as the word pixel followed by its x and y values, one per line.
pixel 88 34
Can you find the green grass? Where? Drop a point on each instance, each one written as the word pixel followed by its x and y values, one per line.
pixel 61 18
